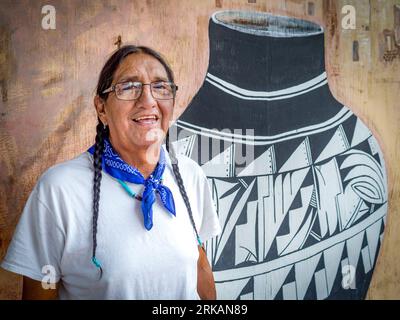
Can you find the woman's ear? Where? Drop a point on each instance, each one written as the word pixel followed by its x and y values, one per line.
pixel 99 104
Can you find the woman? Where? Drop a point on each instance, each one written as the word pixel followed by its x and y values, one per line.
pixel 125 220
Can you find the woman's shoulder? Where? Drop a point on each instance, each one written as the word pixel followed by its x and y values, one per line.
pixel 190 170
pixel 68 172
pixel 185 163
pixel 189 163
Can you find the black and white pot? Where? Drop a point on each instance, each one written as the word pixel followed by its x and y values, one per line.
pixel 298 180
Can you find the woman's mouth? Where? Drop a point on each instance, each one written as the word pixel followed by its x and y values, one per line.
pixel 146 120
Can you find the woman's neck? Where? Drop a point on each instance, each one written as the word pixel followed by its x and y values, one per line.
pixel 144 158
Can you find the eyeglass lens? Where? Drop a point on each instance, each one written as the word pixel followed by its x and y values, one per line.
pixel 133 90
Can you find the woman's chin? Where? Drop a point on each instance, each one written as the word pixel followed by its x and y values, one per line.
pixel 143 143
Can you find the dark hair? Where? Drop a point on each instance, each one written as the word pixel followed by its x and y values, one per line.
pixel 107 73
pixel 102 132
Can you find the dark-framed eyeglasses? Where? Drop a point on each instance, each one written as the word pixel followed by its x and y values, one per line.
pixel 132 90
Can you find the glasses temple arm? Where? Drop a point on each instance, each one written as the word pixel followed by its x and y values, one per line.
pixel 109 89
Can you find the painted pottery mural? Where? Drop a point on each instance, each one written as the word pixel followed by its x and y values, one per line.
pixel 298 180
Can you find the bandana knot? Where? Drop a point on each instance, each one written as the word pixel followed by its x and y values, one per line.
pixel 120 170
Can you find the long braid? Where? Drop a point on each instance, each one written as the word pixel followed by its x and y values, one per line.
pixel 178 176
pixel 101 132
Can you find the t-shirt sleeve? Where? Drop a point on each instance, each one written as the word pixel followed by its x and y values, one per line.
pixel 210 226
pixel 36 248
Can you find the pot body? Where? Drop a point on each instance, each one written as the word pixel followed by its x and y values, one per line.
pixel 298 180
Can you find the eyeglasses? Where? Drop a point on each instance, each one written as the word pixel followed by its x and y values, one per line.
pixel 132 90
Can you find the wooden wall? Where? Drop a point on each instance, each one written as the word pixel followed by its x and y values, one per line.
pixel 48 78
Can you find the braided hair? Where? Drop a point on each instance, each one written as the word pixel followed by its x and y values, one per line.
pixel 178 177
pixel 102 132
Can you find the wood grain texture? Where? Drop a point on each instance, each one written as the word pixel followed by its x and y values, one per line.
pixel 48 79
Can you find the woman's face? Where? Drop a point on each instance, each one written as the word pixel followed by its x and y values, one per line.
pixel 127 130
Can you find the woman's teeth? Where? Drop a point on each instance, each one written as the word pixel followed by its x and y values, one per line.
pixel 147 119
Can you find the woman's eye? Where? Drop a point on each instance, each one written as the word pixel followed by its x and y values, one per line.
pixel 130 85
pixel 159 85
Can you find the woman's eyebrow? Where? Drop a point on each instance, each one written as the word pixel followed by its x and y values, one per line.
pixel 128 78
pixel 136 78
pixel 160 79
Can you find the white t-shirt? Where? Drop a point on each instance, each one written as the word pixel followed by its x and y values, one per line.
pixel 56 229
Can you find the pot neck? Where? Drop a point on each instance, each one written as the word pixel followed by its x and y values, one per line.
pixel 265 60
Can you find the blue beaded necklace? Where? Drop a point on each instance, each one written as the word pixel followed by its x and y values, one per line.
pixel 139 198
pixel 129 190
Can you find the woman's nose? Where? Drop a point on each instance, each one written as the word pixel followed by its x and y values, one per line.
pixel 146 99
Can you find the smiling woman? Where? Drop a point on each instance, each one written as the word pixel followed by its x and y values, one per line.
pixel 116 222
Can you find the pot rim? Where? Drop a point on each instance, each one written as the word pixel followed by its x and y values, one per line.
pixel 266 24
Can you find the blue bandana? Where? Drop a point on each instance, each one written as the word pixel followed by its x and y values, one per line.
pixel 119 169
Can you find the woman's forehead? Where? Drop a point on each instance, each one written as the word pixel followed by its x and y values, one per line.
pixel 140 65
